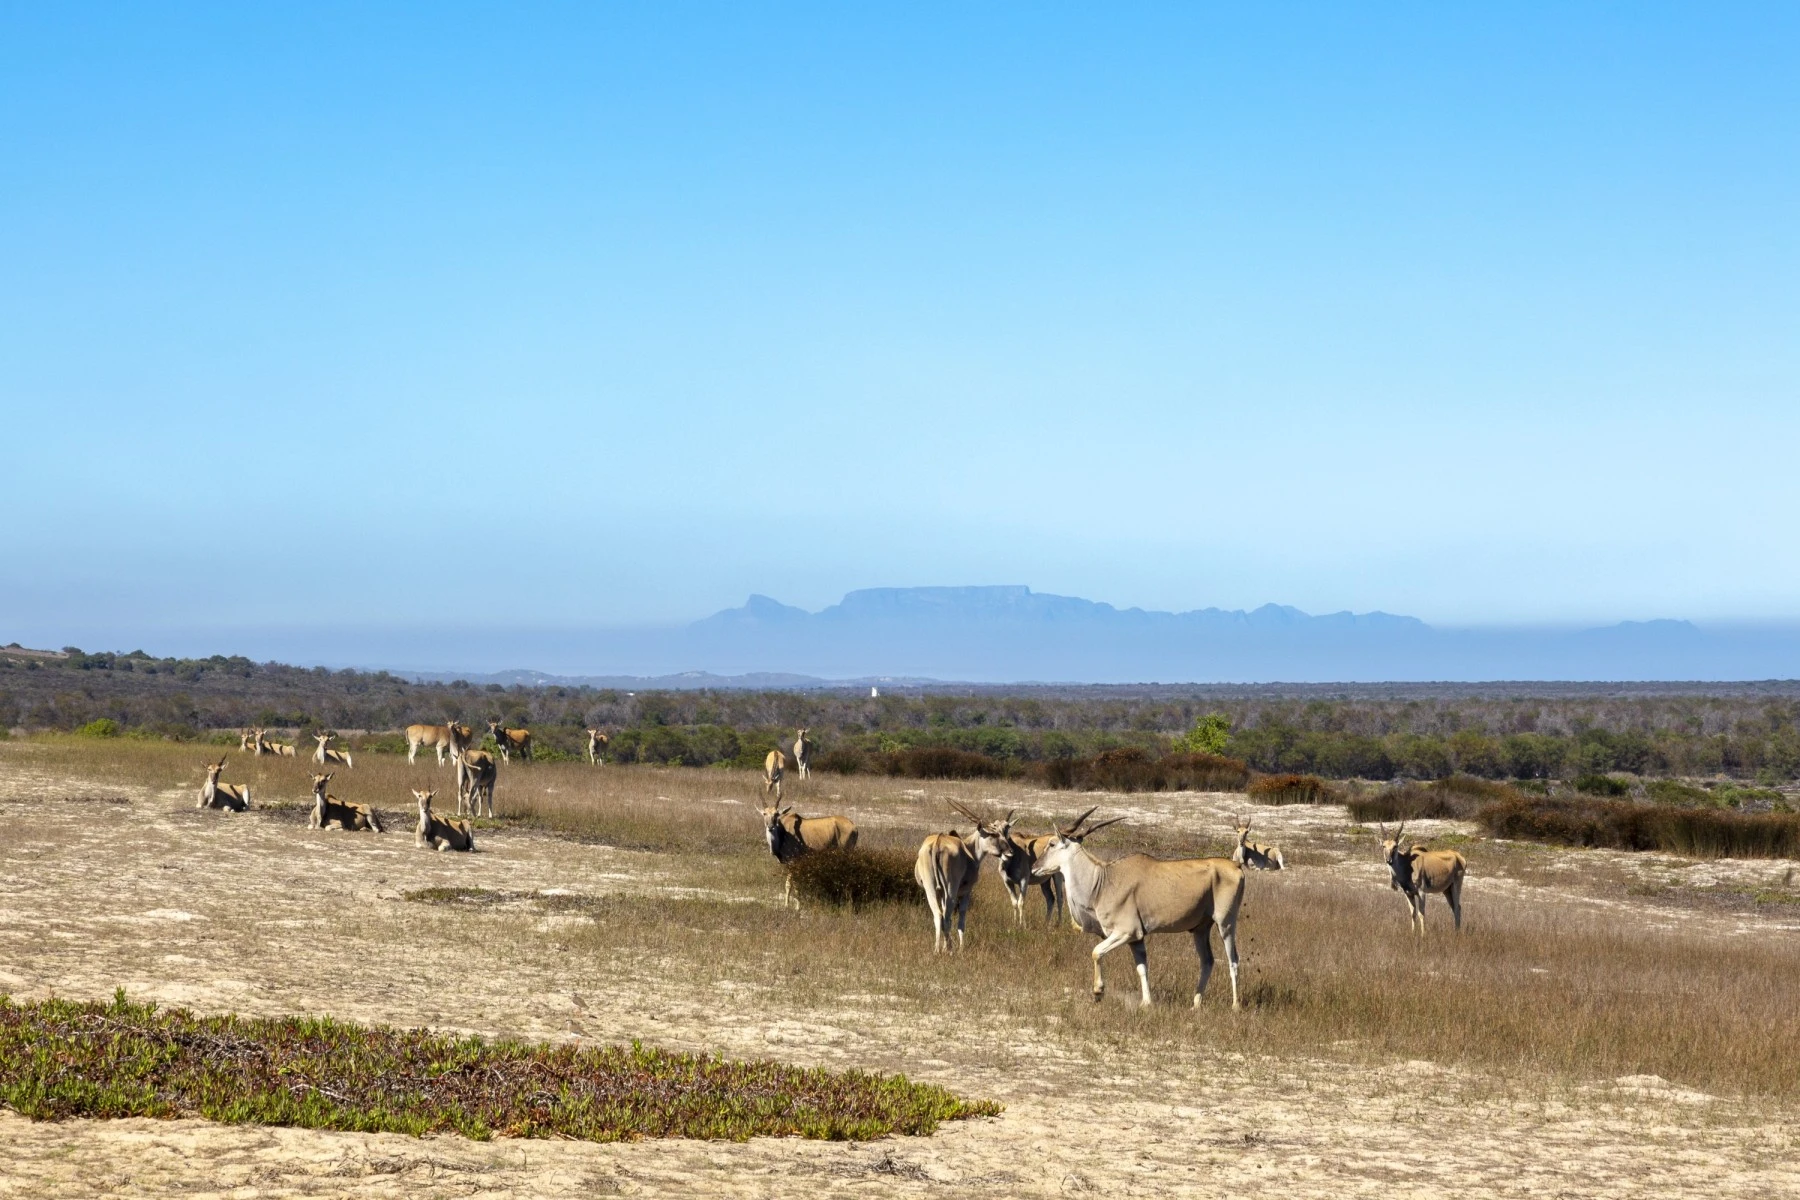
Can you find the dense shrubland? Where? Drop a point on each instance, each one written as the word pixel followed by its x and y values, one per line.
pixel 1515 731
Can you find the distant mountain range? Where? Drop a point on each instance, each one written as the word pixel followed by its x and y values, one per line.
pixel 1012 634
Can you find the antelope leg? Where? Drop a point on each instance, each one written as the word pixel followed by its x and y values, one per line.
pixel 1203 947
pixel 1142 961
pixel 1229 937
pixel 1107 945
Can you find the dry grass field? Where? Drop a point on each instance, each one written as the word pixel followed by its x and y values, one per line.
pixel 1607 1024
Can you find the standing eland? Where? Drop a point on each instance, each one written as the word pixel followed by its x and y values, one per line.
pixel 774 767
pixel 1127 900
pixel 1416 872
pixel 803 749
pixel 791 836
pixel 947 867
pixel 1016 859
pixel 597 746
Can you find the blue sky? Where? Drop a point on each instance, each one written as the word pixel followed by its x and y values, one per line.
pixel 319 317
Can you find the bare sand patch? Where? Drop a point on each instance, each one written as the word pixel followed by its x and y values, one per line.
pixel 252 913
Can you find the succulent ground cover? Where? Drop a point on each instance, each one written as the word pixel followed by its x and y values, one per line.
pixel 61 1059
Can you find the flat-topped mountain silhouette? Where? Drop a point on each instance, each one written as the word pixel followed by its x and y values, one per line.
pixel 1013 634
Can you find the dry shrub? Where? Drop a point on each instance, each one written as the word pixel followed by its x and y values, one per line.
pixel 842 760
pixel 942 762
pixel 1129 769
pixel 1292 789
pixel 1455 797
pixel 1624 825
pixel 856 877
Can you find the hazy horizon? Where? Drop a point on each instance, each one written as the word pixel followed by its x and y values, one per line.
pixel 365 317
pixel 1014 634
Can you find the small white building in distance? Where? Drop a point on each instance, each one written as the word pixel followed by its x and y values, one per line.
pixel 874 692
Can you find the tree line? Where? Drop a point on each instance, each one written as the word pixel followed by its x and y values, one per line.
pixel 1503 733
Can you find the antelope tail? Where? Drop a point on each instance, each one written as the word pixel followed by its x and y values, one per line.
pixel 941 882
pixel 375 821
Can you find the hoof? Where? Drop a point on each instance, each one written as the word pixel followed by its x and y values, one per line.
pixel 1098 996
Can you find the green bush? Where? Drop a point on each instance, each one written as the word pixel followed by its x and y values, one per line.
pixel 1673 791
pixel 61 1059
pixel 1730 795
pixel 856 877
pixel 1211 734
pixel 105 727
pixel 1601 785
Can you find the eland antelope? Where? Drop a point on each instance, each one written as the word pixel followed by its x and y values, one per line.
pixel 774 766
pixel 214 794
pixel 511 741
pixel 438 737
pixel 947 867
pixel 262 745
pixel 329 810
pixel 476 774
pixel 597 746
pixel 803 749
pixel 1015 858
pixel 791 836
pixel 245 741
pixel 438 833
pixel 1250 854
pixel 325 756
pixel 1126 900
pixel 1417 871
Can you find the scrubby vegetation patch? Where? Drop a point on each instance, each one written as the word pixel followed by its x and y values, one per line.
pixel 1292 789
pixel 62 1059
pixel 857 877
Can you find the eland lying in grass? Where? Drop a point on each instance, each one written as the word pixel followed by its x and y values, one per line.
pixel 214 794
pixel 262 745
pixel 1250 854
pixel 437 833
pixel 1127 900
pixel 325 755
pixel 329 810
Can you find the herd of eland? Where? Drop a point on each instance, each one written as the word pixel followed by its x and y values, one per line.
pixel 477 774
pixel 1121 901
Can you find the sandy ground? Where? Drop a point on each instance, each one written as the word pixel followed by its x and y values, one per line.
pixel 250 913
